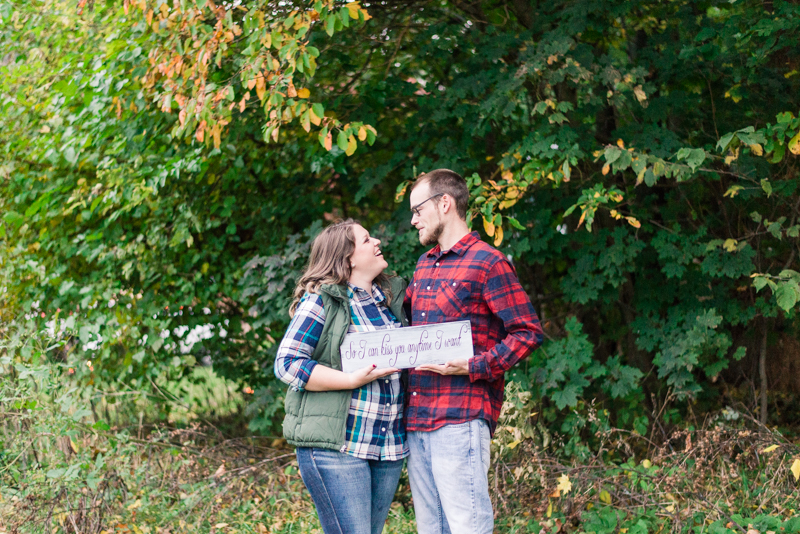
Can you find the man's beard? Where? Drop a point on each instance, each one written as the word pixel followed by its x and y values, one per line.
pixel 433 235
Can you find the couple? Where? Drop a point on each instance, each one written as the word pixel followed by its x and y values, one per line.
pixel 352 431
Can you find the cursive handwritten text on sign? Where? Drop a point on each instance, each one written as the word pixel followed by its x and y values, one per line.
pixel 407 347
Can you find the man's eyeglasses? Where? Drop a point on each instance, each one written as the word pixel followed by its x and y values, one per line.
pixel 415 209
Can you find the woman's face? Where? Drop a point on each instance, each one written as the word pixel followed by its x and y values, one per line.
pixel 367 257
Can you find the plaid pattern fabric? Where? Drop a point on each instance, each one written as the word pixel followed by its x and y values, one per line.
pixel 471 281
pixel 375 428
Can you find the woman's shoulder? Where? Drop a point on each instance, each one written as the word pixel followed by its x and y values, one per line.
pixel 310 304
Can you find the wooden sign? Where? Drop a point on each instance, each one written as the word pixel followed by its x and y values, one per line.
pixel 407 347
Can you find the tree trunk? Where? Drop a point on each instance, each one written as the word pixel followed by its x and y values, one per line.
pixel 762 372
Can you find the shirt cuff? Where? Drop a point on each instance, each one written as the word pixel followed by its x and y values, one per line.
pixel 304 373
pixel 479 368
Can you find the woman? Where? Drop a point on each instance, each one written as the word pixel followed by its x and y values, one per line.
pixel 347 428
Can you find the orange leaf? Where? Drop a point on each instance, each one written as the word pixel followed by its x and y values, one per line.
pixel 329 141
pixel 498 236
pixel 488 226
pixel 303 93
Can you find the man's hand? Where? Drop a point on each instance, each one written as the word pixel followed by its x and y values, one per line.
pixel 453 367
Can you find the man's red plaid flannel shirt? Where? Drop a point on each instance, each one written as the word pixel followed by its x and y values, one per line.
pixel 472 281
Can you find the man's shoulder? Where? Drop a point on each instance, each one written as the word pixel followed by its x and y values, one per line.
pixel 483 252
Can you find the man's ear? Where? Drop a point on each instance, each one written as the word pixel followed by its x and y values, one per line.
pixel 447 204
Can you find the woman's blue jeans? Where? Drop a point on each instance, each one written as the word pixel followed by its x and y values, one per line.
pixel 352 495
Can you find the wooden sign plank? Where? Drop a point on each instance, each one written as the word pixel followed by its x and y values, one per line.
pixel 409 347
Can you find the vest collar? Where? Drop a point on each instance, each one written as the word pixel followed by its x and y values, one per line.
pixel 338 292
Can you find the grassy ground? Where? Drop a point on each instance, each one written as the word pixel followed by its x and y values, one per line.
pixel 64 471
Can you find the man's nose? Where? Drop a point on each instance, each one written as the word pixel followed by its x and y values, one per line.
pixel 414 219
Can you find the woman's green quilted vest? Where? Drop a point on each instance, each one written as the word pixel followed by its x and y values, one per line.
pixel 319 418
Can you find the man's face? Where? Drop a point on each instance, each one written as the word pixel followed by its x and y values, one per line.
pixel 426 217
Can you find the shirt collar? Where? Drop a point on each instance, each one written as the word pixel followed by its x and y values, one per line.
pixel 459 248
pixel 361 294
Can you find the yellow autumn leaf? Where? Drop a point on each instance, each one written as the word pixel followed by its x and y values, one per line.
pixel 795 469
pixel 362 134
pixel 275 133
pixel 313 117
pixel 351 146
pixel 620 143
pixel 261 87
pixel 550 509
pixel 513 444
pixel 508 176
pixel 583 216
pixel 646 463
pixel 732 191
pixel 498 236
pixel 353 8
pixel 633 222
pixel 730 246
pixel 757 149
pixel 329 141
pixel 564 484
pixel 488 226
pixel 303 93
pixel 771 447
pixel 605 497
pixel 794 145
pixel 606 168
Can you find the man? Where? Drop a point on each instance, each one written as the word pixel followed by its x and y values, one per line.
pixel 452 409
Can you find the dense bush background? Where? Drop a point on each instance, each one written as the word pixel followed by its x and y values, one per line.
pixel 163 166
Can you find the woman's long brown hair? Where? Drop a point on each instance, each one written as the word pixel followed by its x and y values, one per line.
pixel 330 262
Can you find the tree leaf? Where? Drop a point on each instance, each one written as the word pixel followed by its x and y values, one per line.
pixel 351 146
pixel 341 140
pixel 795 469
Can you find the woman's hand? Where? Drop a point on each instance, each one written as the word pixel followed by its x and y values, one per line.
pixel 365 375
pixel 326 379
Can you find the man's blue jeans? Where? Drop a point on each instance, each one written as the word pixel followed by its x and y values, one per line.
pixel 448 470
pixel 352 495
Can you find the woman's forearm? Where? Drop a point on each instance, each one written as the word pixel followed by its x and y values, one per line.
pixel 326 379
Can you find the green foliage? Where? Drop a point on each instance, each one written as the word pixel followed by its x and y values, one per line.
pixel 638 161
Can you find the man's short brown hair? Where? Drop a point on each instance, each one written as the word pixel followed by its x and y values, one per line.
pixel 445 181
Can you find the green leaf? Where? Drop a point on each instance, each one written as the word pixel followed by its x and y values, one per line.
pixel 766 186
pixel 341 140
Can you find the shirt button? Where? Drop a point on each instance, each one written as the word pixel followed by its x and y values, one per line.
pixel 387 381
pixel 388 404
pixel 437 263
pixel 429 287
pixel 454 284
pixel 383 429
pixel 423 314
pixel 415 393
